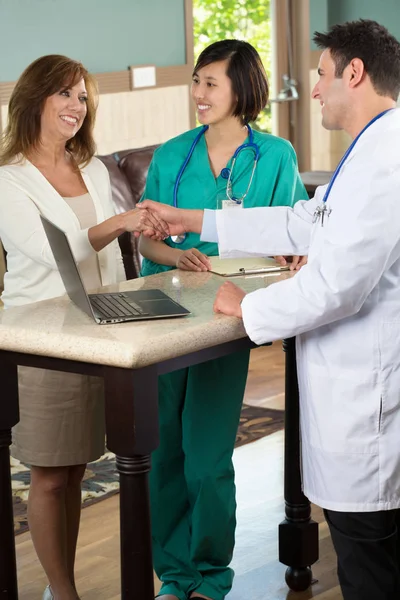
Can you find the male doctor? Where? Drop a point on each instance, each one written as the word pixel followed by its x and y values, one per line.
pixel 343 306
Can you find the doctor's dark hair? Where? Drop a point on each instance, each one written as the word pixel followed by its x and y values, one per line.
pixel 370 42
pixel 43 78
pixel 245 70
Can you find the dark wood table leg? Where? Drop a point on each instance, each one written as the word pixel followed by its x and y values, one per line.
pixel 298 533
pixel 136 554
pixel 9 417
pixel 132 433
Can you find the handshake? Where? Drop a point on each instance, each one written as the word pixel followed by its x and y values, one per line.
pixel 158 221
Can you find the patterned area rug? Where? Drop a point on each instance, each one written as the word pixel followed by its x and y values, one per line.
pixel 101 478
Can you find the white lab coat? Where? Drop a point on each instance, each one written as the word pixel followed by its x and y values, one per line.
pixel 344 309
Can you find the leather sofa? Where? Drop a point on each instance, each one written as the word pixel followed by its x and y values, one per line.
pixel 128 172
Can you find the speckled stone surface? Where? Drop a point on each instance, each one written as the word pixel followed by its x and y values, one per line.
pixel 57 328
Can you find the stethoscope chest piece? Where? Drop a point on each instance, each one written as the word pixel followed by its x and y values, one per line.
pixel 178 239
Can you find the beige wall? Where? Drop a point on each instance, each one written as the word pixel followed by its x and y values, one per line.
pixel 142 118
pixel 327 147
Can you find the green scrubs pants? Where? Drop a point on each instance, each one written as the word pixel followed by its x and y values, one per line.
pixel 192 478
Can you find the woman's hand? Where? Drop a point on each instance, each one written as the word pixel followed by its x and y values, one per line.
pixel 146 222
pixel 295 262
pixel 193 260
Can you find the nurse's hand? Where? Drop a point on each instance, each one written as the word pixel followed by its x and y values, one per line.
pixel 229 300
pixel 193 260
pixel 295 262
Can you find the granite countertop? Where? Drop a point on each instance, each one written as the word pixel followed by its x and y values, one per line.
pixel 57 328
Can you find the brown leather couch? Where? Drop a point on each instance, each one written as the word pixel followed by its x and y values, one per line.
pixel 128 172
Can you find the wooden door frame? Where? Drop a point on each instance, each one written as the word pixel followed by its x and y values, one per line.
pixel 293 118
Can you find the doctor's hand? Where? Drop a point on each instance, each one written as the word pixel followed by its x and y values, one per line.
pixel 193 260
pixel 228 300
pixel 142 221
pixel 295 262
pixel 178 220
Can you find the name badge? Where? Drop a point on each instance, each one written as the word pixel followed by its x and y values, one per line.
pixel 231 204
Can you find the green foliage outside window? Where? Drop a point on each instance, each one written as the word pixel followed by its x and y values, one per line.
pixel 247 20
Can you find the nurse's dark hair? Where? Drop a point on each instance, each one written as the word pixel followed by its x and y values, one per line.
pixel 246 71
pixel 43 78
pixel 370 42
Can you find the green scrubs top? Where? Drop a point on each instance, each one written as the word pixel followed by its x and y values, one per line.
pixel 276 181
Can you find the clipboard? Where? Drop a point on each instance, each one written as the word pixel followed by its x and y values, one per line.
pixel 235 267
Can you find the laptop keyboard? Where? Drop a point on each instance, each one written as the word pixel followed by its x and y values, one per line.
pixel 116 306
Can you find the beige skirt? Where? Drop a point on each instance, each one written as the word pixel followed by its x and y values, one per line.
pixel 61 418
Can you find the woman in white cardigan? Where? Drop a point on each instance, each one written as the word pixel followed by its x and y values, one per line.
pixel 47 167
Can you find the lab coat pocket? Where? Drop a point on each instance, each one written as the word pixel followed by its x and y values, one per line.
pixel 389 336
pixel 343 413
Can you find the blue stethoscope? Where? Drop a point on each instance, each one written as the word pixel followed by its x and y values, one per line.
pixel 322 208
pixel 226 173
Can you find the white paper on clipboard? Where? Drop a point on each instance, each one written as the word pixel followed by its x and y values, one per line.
pixel 232 267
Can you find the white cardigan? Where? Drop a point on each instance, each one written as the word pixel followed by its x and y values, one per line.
pixel 25 194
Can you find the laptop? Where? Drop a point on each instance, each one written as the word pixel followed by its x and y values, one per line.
pixel 116 307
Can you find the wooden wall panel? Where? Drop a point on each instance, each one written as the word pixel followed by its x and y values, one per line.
pixel 141 118
pixel 112 83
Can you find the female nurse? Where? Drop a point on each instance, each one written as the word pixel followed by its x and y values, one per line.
pixel 192 478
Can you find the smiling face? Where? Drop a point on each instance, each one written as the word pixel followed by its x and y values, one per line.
pixel 332 92
pixel 212 93
pixel 64 112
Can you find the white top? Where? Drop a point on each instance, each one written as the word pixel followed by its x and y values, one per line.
pixel 344 308
pixel 25 194
pixel 89 269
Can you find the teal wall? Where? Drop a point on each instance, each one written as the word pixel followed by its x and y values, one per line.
pixel 318 17
pixel 324 13
pixel 106 35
